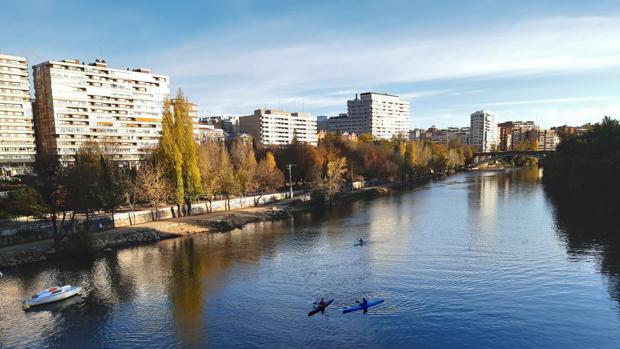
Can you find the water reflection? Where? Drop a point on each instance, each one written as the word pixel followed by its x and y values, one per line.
pixel 590 236
pixel 472 261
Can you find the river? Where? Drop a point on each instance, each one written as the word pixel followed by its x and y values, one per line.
pixel 477 260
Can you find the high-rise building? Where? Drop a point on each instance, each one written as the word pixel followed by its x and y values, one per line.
pixel 279 127
pixel 17 138
pixel 77 102
pixel 483 131
pixel 382 115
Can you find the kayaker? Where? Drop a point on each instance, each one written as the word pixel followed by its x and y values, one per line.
pixel 361 241
pixel 364 303
pixel 322 303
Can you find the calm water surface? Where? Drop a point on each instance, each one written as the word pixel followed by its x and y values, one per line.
pixel 479 260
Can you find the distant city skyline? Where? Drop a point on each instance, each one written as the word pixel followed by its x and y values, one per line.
pixel 552 62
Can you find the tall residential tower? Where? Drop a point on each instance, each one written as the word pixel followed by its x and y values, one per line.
pixel 483 131
pixel 17 140
pixel 77 102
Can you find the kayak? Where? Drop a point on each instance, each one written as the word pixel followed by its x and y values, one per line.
pixel 371 303
pixel 53 294
pixel 361 243
pixel 318 308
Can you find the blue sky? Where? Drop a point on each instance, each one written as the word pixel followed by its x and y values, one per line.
pixel 555 62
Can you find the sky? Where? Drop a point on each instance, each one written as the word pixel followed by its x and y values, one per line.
pixel 554 62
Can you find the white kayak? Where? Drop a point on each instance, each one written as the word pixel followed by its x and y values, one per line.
pixel 53 294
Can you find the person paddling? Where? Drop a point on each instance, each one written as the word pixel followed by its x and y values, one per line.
pixel 322 303
pixel 361 241
pixel 364 303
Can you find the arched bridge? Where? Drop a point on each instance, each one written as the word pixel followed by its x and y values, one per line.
pixel 484 157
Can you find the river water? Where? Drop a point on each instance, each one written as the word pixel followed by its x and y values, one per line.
pixel 478 260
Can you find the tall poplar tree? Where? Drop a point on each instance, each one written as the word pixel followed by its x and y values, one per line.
pixel 177 151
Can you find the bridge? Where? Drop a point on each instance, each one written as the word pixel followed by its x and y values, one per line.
pixel 484 157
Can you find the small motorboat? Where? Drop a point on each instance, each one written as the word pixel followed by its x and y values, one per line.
pixel 53 294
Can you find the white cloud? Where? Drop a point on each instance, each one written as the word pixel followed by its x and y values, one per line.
pixel 237 72
pixel 560 101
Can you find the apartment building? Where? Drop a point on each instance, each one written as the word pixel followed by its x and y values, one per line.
pixel 77 102
pixel 483 131
pixel 547 140
pixel 17 137
pixel 513 133
pixel 382 115
pixel 279 127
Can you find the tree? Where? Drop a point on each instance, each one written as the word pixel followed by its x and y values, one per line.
pixel 113 183
pixel 85 181
pixel 334 176
pixel 244 164
pixel 24 202
pixel 225 182
pixel 208 163
pixel 154 185
pixel 132 190
pixel 267 176
pixel 51 182
pixel 177 152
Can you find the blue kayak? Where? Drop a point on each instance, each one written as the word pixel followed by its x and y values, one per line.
pixel 371 303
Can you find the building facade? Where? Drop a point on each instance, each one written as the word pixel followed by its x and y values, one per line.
pixel 548 140
pixel 17 136
pixel 382 115
pixel 483 131
pixel 77 102
pixel 512 133
pixel 279 127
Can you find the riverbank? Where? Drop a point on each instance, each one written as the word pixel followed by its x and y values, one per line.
pixel 154 231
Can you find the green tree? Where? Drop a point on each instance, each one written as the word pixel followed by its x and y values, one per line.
pixel 51 182
pixel 24 202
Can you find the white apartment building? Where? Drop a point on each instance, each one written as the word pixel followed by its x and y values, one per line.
pixel 17 140
pixel 77 102
pixel 483 131
pixel 279 127
pixel 382 115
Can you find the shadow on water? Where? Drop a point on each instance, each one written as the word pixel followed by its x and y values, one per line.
pixel 587 233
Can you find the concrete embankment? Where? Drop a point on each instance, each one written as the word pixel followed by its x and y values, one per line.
pixel 151 232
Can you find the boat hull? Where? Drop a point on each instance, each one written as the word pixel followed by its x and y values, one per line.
pixel 371 303
pixel 47 296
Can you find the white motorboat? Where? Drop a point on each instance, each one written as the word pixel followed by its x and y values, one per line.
pixel 53 294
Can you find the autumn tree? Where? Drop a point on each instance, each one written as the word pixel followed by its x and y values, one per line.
pixel 177 152
pixel 225 182
pixel 155 188
pixel 244 164
pixel 267 176
pixel 334 176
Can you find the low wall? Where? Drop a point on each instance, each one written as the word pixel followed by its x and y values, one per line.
pixel 13 234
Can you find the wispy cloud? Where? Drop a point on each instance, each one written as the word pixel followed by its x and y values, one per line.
pixel 236 73
pixel 566 100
